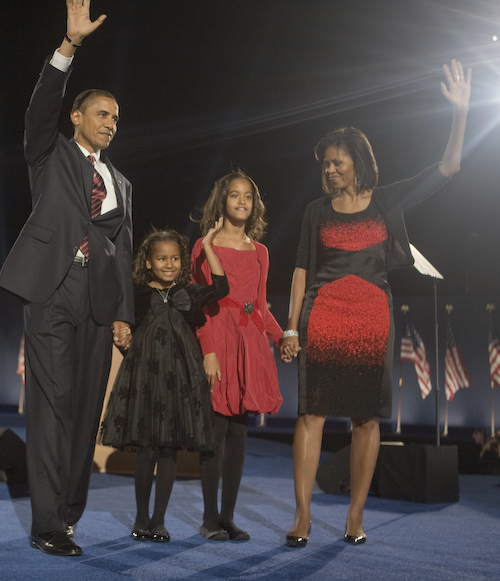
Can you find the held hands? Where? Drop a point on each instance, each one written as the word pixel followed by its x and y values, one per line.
pixel 122 335
pixel 79 24
pixel 457 87
pixel 209 238
pixel 289 349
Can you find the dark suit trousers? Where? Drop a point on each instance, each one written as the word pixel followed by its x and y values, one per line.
pixel 68 357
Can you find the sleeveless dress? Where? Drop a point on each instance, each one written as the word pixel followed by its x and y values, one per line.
pixel 346 325
pixel 161 396
pixel 238 330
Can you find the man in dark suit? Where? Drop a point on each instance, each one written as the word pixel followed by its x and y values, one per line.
pixel 72 267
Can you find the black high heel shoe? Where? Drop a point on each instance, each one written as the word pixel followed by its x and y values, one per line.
pixel 352 540
pixel 298 542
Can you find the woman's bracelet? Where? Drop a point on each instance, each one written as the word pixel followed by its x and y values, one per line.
pixel 290 333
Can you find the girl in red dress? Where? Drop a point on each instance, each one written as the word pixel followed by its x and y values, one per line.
pixel 235 343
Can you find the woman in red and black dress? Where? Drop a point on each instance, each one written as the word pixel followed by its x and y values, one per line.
pixel 340 316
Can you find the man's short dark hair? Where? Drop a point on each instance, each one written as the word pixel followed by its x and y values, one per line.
pixel 86 98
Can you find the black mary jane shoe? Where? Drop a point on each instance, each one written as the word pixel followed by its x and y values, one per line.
pixel 141 535
pixel 298 542
pixel 234 533
pixel 218 534
pixel 55 543
pixel 160 535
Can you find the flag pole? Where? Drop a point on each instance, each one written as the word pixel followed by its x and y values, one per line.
pixel 426 268
pixel 445 429
pixel 436 332
pixel 398 425
pixel 20 407
pixel 492 409
pixel 404 309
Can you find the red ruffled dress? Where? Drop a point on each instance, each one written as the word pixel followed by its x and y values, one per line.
pixel 238 330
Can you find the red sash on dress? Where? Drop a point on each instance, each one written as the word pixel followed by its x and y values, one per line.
pixel 247 311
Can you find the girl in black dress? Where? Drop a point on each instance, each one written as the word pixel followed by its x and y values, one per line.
pixel 161 402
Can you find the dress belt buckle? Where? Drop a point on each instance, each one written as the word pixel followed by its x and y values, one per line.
pixel 248 308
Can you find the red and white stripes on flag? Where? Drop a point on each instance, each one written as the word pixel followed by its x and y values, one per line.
pixel 494 353
pixel 455 373
pixel 413 349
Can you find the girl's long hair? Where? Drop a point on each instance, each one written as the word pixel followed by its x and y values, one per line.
pixel 215 206
pixel 142 274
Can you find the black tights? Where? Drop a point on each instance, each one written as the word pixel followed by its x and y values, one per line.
pixel 165 460
pixel 230 447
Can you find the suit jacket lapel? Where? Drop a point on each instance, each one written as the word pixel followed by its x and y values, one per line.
pixel 86 173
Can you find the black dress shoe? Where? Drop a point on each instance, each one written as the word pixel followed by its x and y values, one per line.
pixel 141 535
pixel 234 533
pixel 55 543
pixel 298 542
pixel 160 535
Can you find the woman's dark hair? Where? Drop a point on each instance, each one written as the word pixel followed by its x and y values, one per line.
pixel 143 274
pixel 355 143
pixel 215 206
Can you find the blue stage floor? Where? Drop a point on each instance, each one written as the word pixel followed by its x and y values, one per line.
pixel 406 541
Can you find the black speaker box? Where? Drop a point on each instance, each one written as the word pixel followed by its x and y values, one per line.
pixel 13 457
pixel 333 474
pixel 416 473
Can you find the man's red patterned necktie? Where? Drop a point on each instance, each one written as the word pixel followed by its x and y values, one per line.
pixel 98 195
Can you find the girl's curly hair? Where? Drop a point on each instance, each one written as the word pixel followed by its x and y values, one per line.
pixel 215 206
pixel 143 274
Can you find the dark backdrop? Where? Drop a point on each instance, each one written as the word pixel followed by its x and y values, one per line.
pixel 205 87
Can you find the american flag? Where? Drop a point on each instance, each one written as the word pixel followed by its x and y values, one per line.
pixel 20 359
pixel 455 373
pixel 494 353
pixel 413 349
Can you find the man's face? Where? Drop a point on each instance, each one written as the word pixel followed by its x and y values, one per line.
pixel 96 126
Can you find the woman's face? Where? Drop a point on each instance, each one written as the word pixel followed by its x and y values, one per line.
pixel 339 168
pixel 239 201
pixel 165 263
